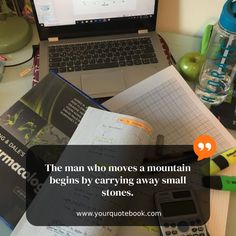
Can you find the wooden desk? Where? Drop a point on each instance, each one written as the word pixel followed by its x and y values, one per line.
pixel 12 87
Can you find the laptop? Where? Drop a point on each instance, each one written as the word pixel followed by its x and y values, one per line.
pixel 100 46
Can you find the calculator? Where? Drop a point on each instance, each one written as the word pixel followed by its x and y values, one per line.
pixel 180 214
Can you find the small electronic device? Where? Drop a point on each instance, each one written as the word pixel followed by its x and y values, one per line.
pixel 180 214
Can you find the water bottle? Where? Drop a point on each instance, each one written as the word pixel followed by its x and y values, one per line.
pixel 219 69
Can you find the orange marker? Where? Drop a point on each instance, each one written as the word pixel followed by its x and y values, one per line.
pixel 204 147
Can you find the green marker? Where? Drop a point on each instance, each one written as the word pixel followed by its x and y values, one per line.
pixel 221 162
pixel 226 183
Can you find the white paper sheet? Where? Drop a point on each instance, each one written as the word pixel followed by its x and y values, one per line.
pixel 166 101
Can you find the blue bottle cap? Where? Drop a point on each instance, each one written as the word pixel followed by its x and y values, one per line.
pixel 228 16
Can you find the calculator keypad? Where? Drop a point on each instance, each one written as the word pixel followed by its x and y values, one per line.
pixel 182 229
pixel 168 233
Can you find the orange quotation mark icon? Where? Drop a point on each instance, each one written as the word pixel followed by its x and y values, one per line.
pixel 204 147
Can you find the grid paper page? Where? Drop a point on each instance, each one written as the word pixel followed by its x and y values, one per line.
pixel 165 108
pixel 170 106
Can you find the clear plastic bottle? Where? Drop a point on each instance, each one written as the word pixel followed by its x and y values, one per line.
pixel 219 69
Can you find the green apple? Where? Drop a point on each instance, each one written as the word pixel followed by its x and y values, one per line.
pixel 190 65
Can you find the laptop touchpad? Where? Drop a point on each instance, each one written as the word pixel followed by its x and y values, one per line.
pixel 103 84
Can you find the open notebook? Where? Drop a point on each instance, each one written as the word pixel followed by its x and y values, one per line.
pixel 167 103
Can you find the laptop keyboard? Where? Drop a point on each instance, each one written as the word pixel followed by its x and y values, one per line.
pixel 100 55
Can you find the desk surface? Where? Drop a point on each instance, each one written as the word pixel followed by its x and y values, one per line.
pixel 12 88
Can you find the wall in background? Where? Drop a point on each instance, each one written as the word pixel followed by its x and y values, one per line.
pixel 188 16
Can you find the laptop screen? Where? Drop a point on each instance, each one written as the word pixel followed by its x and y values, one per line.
pixel 76 18
pixel 70 12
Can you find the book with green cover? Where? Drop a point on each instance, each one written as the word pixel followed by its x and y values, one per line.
pixel 48 114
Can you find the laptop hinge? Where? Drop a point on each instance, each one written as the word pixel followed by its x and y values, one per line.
pixel 143 31
pixel 53 39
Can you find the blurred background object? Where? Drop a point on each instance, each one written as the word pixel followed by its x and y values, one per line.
pixel 15 30
pixel 189 17
pixel 27 11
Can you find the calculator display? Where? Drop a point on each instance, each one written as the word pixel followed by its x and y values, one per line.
pixel 178 208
